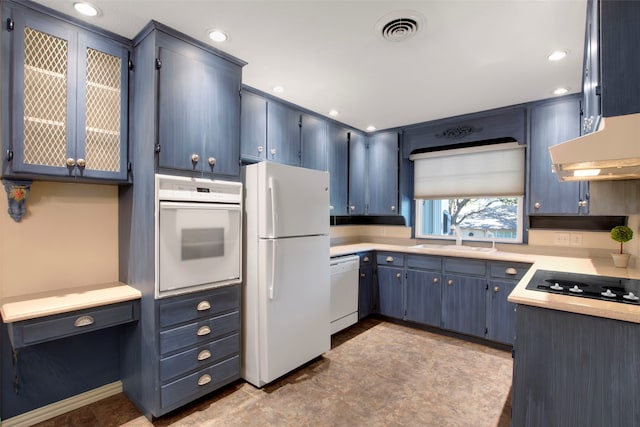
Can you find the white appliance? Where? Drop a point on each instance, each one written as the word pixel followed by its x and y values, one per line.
pixel 198 234
pixel 286 288
pixel 344 291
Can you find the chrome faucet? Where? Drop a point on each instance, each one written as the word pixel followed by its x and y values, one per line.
pixel 493 240
pixel 458 234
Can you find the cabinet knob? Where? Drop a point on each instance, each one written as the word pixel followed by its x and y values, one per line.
pixel 212 161
pixel 352 207
pixel 496 289
pixel 203 305
pixel 81 163
pixel 389 259
pixel 195 158
pixel 363 275
pixel 450 282
pixel 205 379
pixel 330 207
pixel 260 148
pixel 436 280
pixel 204 355
pixel 273 152
pixel 393 208
pixel 582 203
pixel 537 205
pixel 203 330
pixel 398 275
pixel 71 162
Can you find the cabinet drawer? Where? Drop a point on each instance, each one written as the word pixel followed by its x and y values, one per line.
pixel 201 356
pixel 200 383
pixel 390 258
pixel 198 332
pixel 34 331
pixel 424 262
pixel 465 266
pixel 180 309
pixel 508 270
pixel 366 258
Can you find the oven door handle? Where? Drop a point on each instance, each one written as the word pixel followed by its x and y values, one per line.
pixel 272 285
pixel 199 206
pixel 272 195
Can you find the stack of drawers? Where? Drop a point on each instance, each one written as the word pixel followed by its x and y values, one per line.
pixel 199 344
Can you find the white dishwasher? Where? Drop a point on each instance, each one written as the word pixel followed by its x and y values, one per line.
pixel 344 291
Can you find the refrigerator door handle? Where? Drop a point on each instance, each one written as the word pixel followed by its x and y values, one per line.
pixel 273 206
pixel 272 285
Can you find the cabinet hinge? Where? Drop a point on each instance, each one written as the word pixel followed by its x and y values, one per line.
pixel 129 166
pixel 598 90
pixel 486 286
pixel 486 331
pixel 10 24
pixel 157 148
pixel 130 65
pixel 9 155
pixel 158 63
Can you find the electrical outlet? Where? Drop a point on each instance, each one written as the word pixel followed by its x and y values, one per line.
pixel 561 239
pixel 576 239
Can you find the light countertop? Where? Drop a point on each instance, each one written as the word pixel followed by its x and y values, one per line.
pixel 32 306
pixel 521 295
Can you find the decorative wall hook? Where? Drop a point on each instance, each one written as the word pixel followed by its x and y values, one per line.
pixel 17 193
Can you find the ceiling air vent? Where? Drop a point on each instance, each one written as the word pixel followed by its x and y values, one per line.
pixel 400 25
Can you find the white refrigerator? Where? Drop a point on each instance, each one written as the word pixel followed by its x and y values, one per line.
pixel 286 261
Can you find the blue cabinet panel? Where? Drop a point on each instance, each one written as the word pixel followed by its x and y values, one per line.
pixel 464 304
pixel 390 292
pixel 358 172
pixel 283 134
pixel 383 174
pixel 253 127
pixel 338 166
pixel 424 301
pixel 313 142
pixel 205 304
pixel 197 333
pixel 501 323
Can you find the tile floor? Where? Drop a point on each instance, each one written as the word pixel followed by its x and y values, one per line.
pixel 376 374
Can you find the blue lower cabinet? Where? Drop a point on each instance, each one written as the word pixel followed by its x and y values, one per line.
pixel 464 304
pixel 501 319
pixel 424 300
pixel 390 292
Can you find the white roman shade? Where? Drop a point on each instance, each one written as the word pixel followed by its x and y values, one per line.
pixel 487 170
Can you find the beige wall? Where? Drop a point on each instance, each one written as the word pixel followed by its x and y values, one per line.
pixel 68 238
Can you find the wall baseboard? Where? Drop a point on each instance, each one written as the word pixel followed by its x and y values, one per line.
pixel 58 408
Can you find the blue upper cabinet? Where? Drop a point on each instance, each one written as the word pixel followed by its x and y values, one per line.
pixel 313 142
pixel 358 167
pixel 611 62
pixel 383 174
pixel 338 166
pixel 553 122
pixel 198 109
pixel 283 134
pixel 69 109
pixel 253 127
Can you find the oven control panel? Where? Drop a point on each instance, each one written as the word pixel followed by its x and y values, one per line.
pixel 182 188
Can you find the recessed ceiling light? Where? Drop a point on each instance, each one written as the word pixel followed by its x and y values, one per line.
pixel 86 9
pixel 218 36
pixel 371 128
pixel 278 89
pixel 557 55
pixel 333 113
pixel 560 91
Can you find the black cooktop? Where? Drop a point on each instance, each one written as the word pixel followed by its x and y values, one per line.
pixel 604 288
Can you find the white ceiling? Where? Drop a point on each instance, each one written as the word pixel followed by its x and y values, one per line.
pixel 467 56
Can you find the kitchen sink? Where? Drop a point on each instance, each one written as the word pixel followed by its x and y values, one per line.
pixel 461 248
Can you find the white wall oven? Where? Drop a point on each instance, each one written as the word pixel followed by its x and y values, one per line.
pixel 198 234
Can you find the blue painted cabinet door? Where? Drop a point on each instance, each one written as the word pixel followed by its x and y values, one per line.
pixel 365 291
pixel 501 320
pixel 313 142
pixel 553 123
pixel 338 162
pixel 424 300
pixel 464 304
pixel 383 174
pixel 253 127
pixel 390 293
pixel 69 108
pixel 591 101
pixel 199 111
pixel 283 134
pixel 358 169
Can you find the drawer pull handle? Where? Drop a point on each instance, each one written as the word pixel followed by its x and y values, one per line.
pixel 363 275
pixel 204 355
pixel 203 306
pixel 365 259
pixel 511 271
pixel 389 259
pixel 204 330
pixel 204 380
pixel 83 321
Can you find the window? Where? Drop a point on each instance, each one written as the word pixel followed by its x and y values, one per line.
pixel 478 190
pixel 479 219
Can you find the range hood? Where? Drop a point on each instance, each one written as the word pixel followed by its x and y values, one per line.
pixel 611 152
